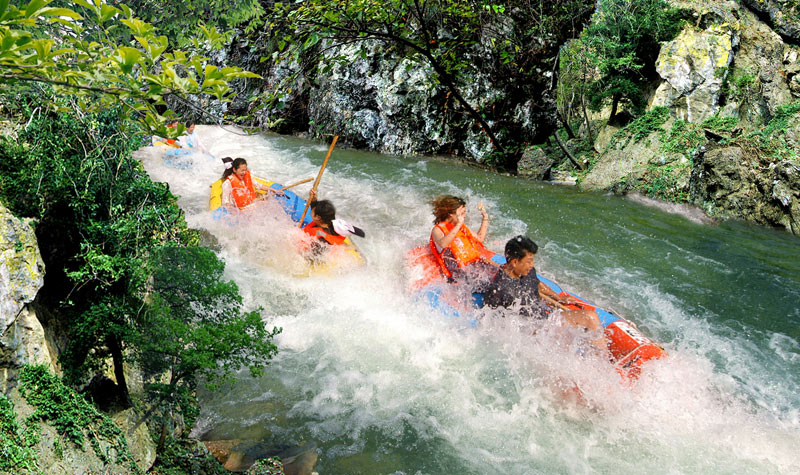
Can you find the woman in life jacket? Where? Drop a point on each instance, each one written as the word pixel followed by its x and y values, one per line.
pixel 459 252
pixel 324 226
pixel 238 187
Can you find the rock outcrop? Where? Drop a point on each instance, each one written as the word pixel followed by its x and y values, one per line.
pixel 22 338
pixel 729 182
pixel 784 15
pixel 693 67
pixel 727 75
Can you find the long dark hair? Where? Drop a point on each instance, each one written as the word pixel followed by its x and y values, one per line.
pixel 236 164
pixel 327 213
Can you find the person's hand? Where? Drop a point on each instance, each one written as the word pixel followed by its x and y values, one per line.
pixel 312 195
pixel 482 209
pixel 459 220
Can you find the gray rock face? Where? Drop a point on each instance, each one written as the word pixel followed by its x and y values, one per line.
pixel 627 162
pixel 691 66
pixel 22 338
pixel 784 15
pixel 394 105
pixel 22 268
pixel 727 182
pixel 535 164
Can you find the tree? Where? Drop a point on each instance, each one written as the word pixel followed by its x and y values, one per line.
pixel 622 42
pixel 460 40
pixel 179 19
pixel 193 327
pixel 85 51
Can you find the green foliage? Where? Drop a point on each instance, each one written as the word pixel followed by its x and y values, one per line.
pixel 270 466
pixel 119 268
pixel 664 182
pixel 180 457
pixel 16 441
pixel 622 41
pixel 105 56
pixel 741 87
pixel 642 127
pixel 182 20
pixel 72 416
pixel 99 216
pixel 718 123
pixel 770 144
pixel 193 325
pixel 684 138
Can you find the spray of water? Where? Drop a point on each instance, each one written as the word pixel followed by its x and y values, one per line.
pixel 382 383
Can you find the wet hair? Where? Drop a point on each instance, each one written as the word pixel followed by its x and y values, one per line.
pixel 236 163
pixel 326 211
pixel 444 206
pixel 520 246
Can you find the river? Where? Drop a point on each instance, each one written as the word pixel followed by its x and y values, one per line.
pixel 383 384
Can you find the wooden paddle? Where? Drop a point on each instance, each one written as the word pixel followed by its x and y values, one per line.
pixel 294 184
pixel 319 177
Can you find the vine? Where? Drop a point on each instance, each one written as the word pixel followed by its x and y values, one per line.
pixel 72 416
pixel 16 441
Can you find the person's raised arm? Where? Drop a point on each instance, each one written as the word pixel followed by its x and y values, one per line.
pixel 484 222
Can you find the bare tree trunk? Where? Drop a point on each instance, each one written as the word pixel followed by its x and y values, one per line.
pixel 589 132
pixel 565 122
pixel 569 154
pixel 614 106
pixel 119 369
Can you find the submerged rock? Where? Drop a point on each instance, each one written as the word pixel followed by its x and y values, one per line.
pixel 238 455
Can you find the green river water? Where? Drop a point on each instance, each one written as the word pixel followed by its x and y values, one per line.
pixel 381 383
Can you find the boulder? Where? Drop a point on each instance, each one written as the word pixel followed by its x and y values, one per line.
pixel 535 163
pixel 626 162
pixel 140 444
pixel 238 455
pixel 693 67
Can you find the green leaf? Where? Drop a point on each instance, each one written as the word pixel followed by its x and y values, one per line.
pixel 59 12
pixel 107 12
pixel 3 6
pixel 34 6
pixel 128 58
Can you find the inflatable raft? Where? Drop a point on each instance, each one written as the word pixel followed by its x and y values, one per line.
pixel 293 206
pixel 628 348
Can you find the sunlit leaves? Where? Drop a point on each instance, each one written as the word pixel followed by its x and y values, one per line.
pixel 83 57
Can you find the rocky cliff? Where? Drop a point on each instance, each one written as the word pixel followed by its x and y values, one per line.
pixel 727 140
pixel 24 341
pixel 722 79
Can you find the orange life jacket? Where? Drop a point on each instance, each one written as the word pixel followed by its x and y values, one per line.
pixel 465 247
pixel 243 193
pixel 312 229
pixel 171 141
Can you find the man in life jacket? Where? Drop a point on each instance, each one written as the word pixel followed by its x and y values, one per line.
pixel 324 226
pixel 238 187
pixel 459 252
